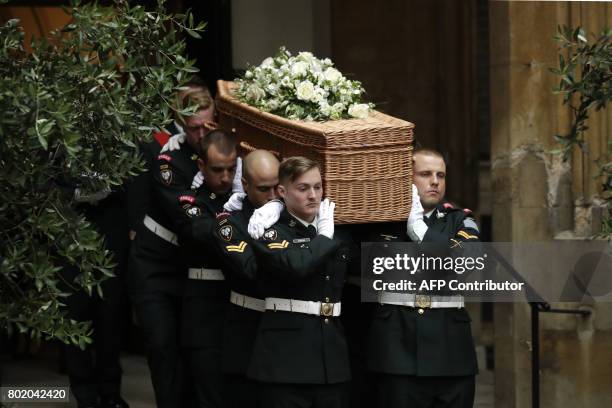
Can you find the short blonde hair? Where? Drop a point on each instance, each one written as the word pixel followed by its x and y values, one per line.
pixel 293 167
pixel 194 95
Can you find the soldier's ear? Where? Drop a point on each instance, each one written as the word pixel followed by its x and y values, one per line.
pixel 201 164
pixel 245 183
pixel 282 192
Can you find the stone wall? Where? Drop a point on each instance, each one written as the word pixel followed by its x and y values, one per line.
pixel 537 197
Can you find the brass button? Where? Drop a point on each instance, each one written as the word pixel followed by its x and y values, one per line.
pixel 326 320
pixel 327 309
pixel 421 311
pixel 327 299
pixel 327 277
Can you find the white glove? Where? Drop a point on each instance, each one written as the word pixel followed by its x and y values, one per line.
pixel 197 181
pixel 264 217
pixel 81 197
pixel 325 224
pixel 234 203
pixel 416 227
pixel 237 182
pixel 174 143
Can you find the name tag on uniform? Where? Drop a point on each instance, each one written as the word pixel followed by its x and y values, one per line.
pixel 301 240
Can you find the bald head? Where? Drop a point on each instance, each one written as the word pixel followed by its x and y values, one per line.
pixel 260 176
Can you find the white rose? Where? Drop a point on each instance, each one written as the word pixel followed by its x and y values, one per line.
pixel 332 74
pixel 305 56
pixel 305 91
pixel 268 62
pixel 359 110
pixel 248 74
pixel 299 69
pixel 254 93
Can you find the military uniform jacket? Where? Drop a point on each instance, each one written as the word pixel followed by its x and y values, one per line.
pixel 204 301
pixel 295 263
pixel 439 341
pixel 240 269
pixel 156 262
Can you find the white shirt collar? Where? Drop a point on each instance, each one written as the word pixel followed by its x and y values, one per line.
pixel 428 214
pixel 306 224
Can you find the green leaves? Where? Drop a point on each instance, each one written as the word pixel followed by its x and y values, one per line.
pixel 585 81
pixel 72 113
pixel 585 78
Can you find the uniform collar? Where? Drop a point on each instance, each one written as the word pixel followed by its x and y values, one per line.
pixel 206 192
pixel 307 224
pixel 294 221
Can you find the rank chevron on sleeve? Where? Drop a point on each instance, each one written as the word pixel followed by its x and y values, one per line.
pixel 278 245
pixel 237 248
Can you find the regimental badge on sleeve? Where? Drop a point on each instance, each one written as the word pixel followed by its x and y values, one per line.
pixel 166 176
pixel 270 235
pixel 192 211
pixel 226 232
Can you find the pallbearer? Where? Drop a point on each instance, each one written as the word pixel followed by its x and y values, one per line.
pixel 300 357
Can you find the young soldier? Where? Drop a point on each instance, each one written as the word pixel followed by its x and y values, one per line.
pixel 300 356
pixel 422 350
pixel 260 177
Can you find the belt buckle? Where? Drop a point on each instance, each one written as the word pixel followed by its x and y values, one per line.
pixel 422 301
pixel 327 309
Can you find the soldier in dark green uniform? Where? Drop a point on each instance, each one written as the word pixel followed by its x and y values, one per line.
pixel 260 177
pixel 421 351
pixel 205 295
pixel 156 273
pixel 300 357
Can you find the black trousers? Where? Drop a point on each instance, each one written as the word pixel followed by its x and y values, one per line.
pixel 159 315
pixel 405 391
pixel 201 332
pixel 241 391
pixel 274 395
pixel 95 371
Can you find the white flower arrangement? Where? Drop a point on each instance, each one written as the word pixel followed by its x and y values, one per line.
pixel 302 87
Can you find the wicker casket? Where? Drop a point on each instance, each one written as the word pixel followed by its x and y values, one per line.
pixel 366 164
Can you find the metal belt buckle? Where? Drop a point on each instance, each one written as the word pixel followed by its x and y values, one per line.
pixel 327 309
pixel 422 301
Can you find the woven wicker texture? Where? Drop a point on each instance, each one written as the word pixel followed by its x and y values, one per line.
pixel 366 165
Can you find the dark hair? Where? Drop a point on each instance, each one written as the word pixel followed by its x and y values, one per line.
pixel 293 167
pixel 223 140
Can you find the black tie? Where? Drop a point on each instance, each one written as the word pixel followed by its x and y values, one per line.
pixel 312 231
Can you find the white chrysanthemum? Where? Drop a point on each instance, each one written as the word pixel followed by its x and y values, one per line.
pixel 272 104
pixel 324 108
pixel 305 91
pixel 272 89
pixel 332 75
pixel 338 108
pixel 299 69
pixel 359 110
pixel 286 82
